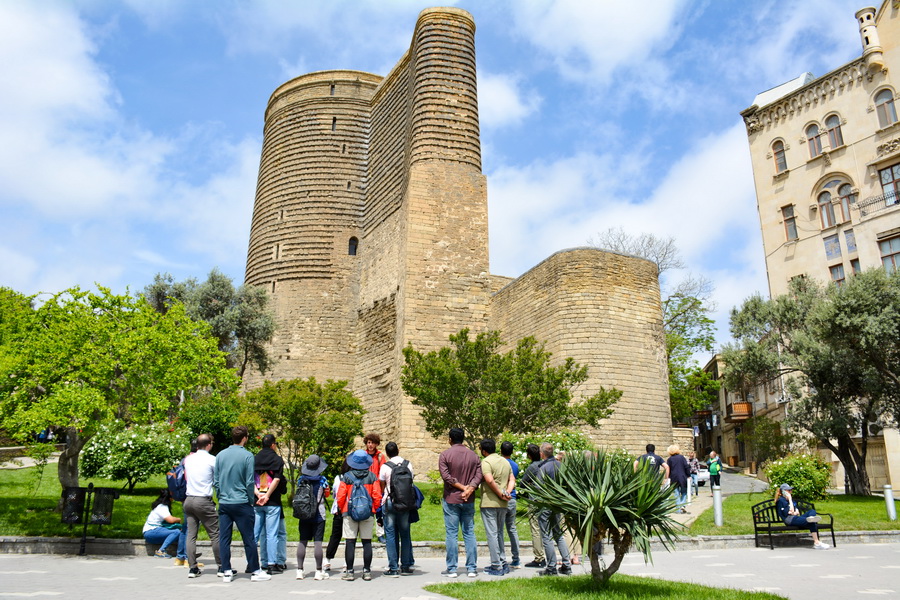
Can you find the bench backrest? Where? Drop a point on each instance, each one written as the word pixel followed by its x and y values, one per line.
pixel 764 512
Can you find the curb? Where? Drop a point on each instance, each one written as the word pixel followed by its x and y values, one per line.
pixel 138 547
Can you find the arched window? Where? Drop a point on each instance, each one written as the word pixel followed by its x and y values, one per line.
pixel 826 210
pixel 848 197
pixel 815 142
pixel 780 160
pixel 353 246
pixel 884 107
pixel 833 125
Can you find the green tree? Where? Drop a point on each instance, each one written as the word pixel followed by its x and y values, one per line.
pixel 765 438
pixel 88 358
pixel 239 318
pixel 16 312
pixel 688 327
pixel 603 498
pixel 472 385
pixel 215 414
pixel 839 348
pixel 306 418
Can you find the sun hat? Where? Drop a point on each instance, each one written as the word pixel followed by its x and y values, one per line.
pixel 359 459
pixel 313 466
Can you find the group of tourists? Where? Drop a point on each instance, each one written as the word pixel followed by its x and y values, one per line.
pixel 374 496
pixel 680 471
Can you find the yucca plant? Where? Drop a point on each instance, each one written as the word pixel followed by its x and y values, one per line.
pixel 604 500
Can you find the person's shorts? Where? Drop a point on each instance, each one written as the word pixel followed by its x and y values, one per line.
pixel 310 530
pixel 362 529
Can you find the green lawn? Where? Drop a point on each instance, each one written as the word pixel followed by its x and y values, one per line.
pixel 851 513
pixel 621 587
pixel 29 511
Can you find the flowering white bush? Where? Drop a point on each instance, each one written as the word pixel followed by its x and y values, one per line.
pixel 133 454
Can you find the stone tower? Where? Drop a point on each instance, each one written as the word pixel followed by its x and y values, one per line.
pixel 370 232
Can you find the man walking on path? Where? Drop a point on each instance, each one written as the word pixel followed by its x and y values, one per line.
pixel 199 469
pixel 269 485
pixel 506 450
pixel 461 471
pixel 496 487
pixel 397 510
pixel 551 531
pixel 531 473
pixel 234 483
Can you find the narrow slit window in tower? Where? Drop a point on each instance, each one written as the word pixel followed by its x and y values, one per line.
pixel 334 123
pixel 332 89
pixel 353 246
pixel 348 185
pixel 344 149
pixel 273 286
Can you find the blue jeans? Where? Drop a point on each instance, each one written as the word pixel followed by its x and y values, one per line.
pixel 396 532
pixel 800 521
pixel 242 516
pixel 512 531
pixel 494 520
pixel 680 495
pixel 280 551
pixel 265 527
pixel 165 536
pixel 456 516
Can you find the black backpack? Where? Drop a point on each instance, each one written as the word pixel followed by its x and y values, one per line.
pixel 305 503
pixel 403 496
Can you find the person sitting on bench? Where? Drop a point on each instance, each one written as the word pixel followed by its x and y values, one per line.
pixel 787 510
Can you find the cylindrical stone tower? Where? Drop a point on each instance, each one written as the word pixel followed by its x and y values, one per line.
pixel 306 219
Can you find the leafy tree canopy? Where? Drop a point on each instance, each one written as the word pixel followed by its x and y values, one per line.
pixel 470 384
pixel 306 417
pixel 839 350
pixel 239 318
pixel 89 358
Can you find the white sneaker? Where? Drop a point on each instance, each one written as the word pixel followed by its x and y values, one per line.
pixel 326 566
pixel 228 577
pixel 813 519
pixel 320 575
pixel 260 576
pixel 821 546
pixel 299 573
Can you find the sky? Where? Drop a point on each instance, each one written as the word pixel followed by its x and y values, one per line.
pixel 130 131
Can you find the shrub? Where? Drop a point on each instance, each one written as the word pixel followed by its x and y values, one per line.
pixel 134 454
pixel 807 473
pixel 563 441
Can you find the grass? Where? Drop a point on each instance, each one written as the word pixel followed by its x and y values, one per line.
pixel 621 587
pixel 851 513
pixel 29 509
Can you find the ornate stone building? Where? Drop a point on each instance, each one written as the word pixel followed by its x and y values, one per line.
pixel 370 232
pixel 826 166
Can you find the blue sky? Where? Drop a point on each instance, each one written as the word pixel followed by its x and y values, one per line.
pixel 130 131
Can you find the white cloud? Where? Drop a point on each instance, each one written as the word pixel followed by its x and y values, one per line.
pixel 590 40
pixel 502 102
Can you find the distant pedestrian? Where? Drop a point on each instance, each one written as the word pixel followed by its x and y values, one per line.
pixel 314 527
pixel 506 450
pixel 164 529
pixel 359 516
pixel 234 483
pixel 461 471
pixel 533 451
pixel 715 469
pixel 497 484
pixel 679 474
pixel 652 460
pixel 199 508
pixel 695 470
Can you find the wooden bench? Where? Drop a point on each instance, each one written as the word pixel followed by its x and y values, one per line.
pixel 767 521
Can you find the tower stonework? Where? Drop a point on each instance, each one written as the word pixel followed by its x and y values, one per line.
pixel 370 232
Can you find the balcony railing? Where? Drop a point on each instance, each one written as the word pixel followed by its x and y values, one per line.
pixel 738 411
pixel 874 204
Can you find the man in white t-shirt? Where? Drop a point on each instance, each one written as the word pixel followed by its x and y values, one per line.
pixel 199 507
pixel 396 522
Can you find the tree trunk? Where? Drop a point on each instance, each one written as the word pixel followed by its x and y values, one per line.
pixel 621 544
pixel 67 469
pixel 854 463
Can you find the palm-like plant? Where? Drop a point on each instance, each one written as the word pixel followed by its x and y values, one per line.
pixel 601 497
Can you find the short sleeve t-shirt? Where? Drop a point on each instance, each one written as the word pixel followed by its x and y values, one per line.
pixel 157 518
pixel 498 467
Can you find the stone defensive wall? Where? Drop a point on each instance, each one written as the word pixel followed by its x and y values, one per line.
pixel 602 309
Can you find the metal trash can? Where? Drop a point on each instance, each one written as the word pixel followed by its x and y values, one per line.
pixel 101 509
pixel 73 504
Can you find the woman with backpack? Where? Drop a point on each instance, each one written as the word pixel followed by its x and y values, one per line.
pixel 309 508
pixel 359 498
